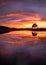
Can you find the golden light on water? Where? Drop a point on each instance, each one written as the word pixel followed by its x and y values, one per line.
pixel 37 34
pixel 23 37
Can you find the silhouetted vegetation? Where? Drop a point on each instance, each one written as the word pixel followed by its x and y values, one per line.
pixel 34 26
pixel 4 29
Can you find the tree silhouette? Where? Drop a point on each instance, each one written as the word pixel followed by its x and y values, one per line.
pixel 34 26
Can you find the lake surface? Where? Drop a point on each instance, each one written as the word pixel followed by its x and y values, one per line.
pixel 23 47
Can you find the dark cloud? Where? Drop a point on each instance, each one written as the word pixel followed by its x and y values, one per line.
pixel 33 6
pixel 43 2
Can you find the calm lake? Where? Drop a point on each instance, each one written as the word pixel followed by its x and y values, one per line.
pixel 23 48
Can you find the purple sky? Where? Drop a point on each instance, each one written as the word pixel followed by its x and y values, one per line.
pixel 30 6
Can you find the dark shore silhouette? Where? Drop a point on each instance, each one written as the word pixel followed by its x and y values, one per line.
pixel 4 29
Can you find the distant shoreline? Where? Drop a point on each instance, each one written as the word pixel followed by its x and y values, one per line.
pixel 4 29
pixel 38 29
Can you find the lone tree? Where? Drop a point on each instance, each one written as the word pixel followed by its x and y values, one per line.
pixel 34 26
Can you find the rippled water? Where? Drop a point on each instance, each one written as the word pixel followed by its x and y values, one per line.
pixel 23 44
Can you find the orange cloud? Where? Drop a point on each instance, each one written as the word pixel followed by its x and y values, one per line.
pixel 25 15
pixel 26 21
pixel 15 14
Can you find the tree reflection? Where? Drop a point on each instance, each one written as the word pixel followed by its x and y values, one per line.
pixel 34 33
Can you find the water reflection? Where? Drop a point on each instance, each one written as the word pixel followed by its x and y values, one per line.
pixel 23 47
pixel 26 33
pixel 34 33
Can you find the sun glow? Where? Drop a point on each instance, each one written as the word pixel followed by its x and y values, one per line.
pixel 41 24
pixel 25 21
pixel 25 24
pixel 28 25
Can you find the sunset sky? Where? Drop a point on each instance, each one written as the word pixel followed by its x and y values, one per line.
pixel 23 13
